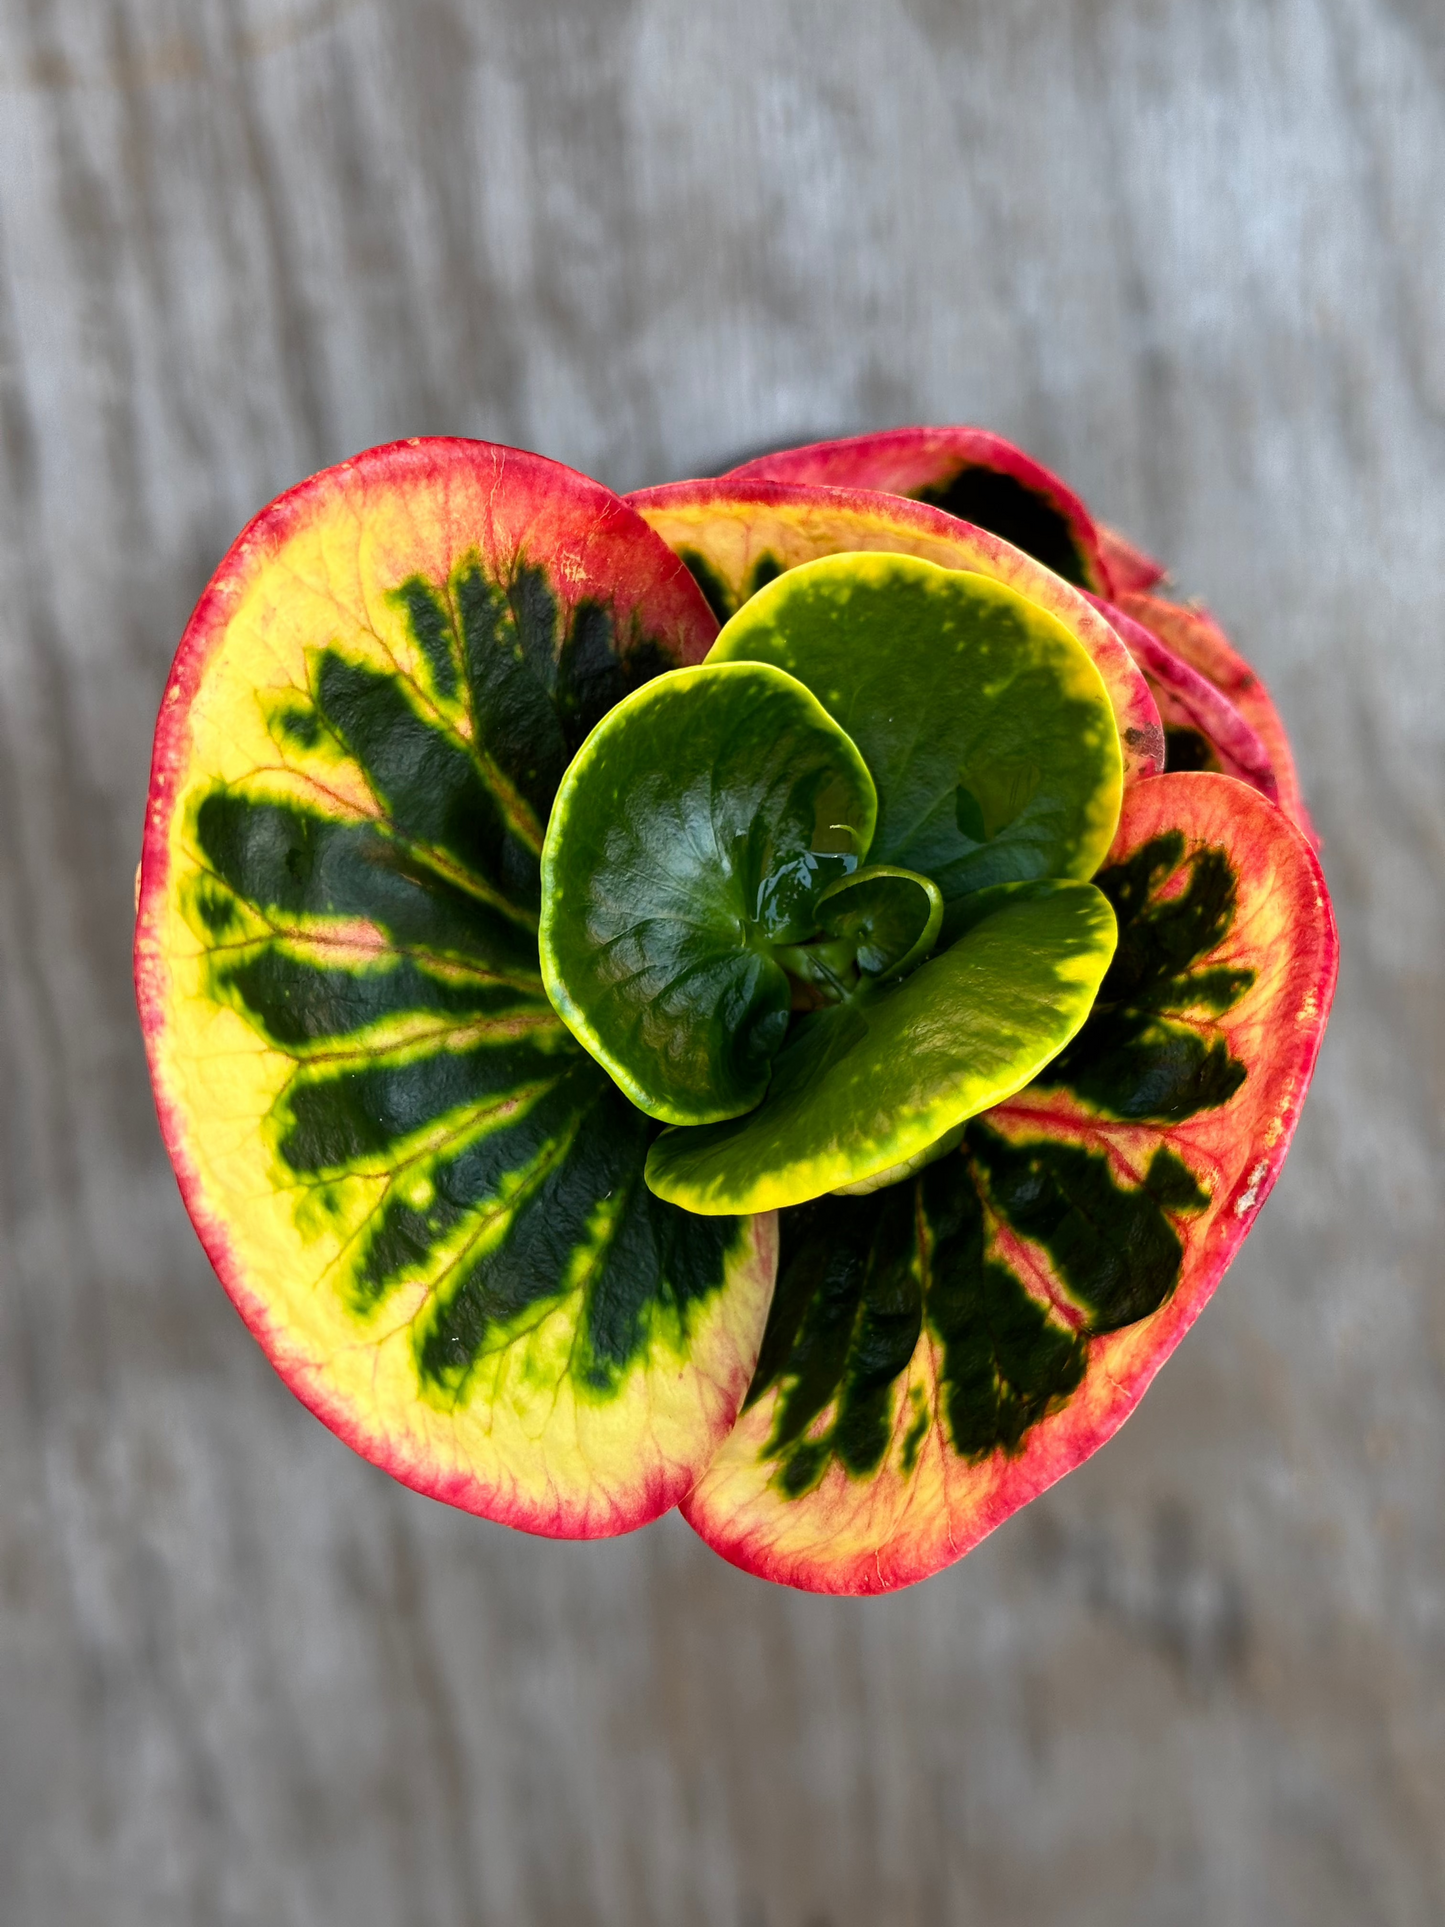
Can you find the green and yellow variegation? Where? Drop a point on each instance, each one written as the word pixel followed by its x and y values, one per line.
pixel 427 1201
pixel 981 1036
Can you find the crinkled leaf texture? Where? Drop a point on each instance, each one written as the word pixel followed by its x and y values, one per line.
pixel 873 1082
pixel 426 1201
pixel 736 536
pixel 940 1352
pixel 696 829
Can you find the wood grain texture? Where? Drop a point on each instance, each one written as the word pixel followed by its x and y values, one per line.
pixel 1189 255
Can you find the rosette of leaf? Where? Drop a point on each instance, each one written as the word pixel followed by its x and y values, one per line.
pixel 819 901
pixel 427 1202
pixel 509 947
pixel 942 1350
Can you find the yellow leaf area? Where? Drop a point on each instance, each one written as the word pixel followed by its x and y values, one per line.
pixel 1186 1192
pixel 923 1508
pixel 736 537
pixel 928 1502
pixel 528 1417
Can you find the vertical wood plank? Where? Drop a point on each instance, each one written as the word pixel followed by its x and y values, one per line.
pixel 1188 255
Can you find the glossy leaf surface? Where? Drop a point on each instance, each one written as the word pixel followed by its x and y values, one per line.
pixel 425 1199
pixel 941 1352
pixel 969 473
pixel 986 727
pixel 693 833
pixel 878 1079
pixel 890 917
pixel 738 536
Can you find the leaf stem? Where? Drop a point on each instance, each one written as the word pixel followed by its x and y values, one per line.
pixel 827 971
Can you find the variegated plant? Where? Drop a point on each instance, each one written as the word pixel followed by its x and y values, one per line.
pixel 811 1070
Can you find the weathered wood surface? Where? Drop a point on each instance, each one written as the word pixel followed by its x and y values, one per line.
pixel 1190 254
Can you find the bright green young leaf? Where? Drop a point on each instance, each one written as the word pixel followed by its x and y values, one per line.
pixel 872 1082
pixel 694 832
pixel 891 916
pixel 986 726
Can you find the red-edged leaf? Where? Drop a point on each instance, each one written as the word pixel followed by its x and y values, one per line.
pixel 1192 634
pixel 1202 727
pixel 1129 568
pixel 969 473
pixel 425 1199
pixel 738 535
pixel 940 1353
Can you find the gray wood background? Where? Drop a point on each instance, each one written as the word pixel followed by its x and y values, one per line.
pixel 1189 253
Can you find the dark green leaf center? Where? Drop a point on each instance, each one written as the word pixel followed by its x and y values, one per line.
pixel 691 843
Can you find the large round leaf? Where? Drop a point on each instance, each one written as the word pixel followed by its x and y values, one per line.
pixel 875 1081
pixel 968 473
pixel 985 724
pixel 738 536
pixel 693 833
pixel 941 1352
pixel 426 1201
